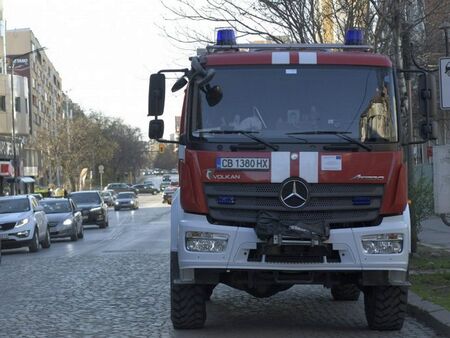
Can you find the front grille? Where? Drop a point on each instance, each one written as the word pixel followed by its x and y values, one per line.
pixel 329 203
pixel 7 226
pixel 52 224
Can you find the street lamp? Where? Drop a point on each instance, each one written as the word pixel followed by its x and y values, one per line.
pixel 13 58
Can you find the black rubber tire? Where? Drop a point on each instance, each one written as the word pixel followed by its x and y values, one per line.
pixel 34 244
pixel 187 304
pixel 81 233
pixel 188 308
pixel 74 236
pixel 47 243
pixel 385 306
pixel 208 290
pixel 345 292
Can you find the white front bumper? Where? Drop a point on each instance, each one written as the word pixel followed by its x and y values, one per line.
pixel 242 240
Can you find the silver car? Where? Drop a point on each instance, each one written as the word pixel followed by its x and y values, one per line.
pixel 23 223
pixel 63 217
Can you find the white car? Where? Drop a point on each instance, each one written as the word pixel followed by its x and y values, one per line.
pixel 23 223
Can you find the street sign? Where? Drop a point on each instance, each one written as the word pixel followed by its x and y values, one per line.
pixel 444 80
pixel 101 169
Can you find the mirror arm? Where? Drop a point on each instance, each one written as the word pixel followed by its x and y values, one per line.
pixel 160 140
pixel 180 70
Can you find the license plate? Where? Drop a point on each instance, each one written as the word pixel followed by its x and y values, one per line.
pixel 243 163
pixel 85 217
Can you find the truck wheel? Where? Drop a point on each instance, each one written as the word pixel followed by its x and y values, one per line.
pixel 345 292
pixel 188 308
pixel 208 290
pixel 385 307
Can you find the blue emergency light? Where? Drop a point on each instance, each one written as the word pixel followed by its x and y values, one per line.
pixel 226 36
pixel 354 37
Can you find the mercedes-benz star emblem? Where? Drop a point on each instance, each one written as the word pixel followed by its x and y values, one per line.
pixel 294 193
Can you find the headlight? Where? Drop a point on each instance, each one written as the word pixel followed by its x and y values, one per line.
pixel 131 202
pixel 116 202
pixel 382 243
pixel 22 222
pixel 67 222
pixel 96 209
pixel 206 241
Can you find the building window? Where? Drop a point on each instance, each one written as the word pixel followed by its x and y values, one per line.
pixel 2 103
pixel 18 109
pixel 26 106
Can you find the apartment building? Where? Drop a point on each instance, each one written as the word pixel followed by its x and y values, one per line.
pixel 46 98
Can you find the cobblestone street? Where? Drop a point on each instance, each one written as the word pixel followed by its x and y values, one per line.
pixel 119 286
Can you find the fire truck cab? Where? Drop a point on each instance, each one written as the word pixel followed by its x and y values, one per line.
pixel 291 172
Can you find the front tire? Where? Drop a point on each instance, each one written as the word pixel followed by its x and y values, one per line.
pixel 187 305
pixel 81 233
pixel 74 236
pixel 34 245
pixel 385 306
pixel 47 241
pixel 345 292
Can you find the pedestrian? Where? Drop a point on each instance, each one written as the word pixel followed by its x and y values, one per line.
pixel 49 192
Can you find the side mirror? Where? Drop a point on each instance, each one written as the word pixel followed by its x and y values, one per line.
pixel 156 129
pixel 156 94
pixel 38 208
pixel 213 95
pixel 180 83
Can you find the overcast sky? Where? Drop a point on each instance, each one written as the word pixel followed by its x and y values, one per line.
pixel 104 51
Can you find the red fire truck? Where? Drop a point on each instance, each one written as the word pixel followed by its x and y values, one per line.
pixel 291 172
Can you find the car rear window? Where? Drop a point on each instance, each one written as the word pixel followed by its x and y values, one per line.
pixel 125 195
pixel 86 197
pixel 56 207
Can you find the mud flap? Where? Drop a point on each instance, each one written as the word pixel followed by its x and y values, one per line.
pixel 270 228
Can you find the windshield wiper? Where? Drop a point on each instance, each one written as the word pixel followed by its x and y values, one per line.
pixel 341 134
pixel 246 133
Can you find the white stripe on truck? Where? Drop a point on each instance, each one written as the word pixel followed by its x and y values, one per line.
pixel 307 58
pixel 280 58
pixel 309 166
pixel 280 166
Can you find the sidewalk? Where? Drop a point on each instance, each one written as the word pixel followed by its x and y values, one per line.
pixel 435 233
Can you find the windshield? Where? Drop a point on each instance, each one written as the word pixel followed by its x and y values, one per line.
pixel 275 101
pixel 81 198
pixel 125 195
pixel 56 207
pixel 14 205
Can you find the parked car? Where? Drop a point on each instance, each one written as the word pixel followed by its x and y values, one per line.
pixel 126 200
pixel 63 217
pixel 93 209
pixel 109 196
pixel 146 188
pixel 119 187
pixel 168 193
pixel 166 180
pixel 23 223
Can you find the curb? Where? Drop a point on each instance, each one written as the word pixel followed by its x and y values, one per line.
pixel 431 314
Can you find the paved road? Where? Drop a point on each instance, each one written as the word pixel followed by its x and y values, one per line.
pixel 115 283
